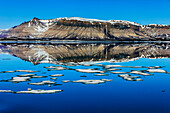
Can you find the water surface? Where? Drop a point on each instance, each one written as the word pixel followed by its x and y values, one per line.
pixel 142 94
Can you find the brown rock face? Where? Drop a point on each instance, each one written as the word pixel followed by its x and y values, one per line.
pixel 88 29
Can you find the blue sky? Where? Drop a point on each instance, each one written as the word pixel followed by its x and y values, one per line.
pixel 14 12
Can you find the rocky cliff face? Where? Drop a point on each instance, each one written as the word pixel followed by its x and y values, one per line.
pixel 88 29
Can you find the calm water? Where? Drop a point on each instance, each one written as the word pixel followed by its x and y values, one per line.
pixel 121 95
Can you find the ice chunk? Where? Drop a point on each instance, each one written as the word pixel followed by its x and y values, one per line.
pixel 109 66
pixel 7 71
pixel 66 81
pixel 139 73
pixel 101 74
pixel 113 69
pixel 128 77
pixel 156 71
pixel 20 79
pixel 57 75
pixel 29 71
pixel 89 71
pixel 42 83
pixel 57 68
pixel 108 80
pixel 26 75
pixel 90 81
pixel 39 91
pixel 118 72
pixel 38 76
pixel 6 91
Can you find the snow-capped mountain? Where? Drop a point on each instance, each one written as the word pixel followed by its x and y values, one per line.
pixel 4 32
pixel 88 29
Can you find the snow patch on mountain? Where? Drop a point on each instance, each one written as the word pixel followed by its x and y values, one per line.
pixel 123 21
pixel 41 29
pixel 47 22
pixel 103 21
pixel 85 19
pixel 40 25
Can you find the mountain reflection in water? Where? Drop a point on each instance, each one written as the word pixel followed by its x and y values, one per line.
pixel 55 53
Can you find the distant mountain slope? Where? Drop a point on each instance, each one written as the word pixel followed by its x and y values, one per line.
pixel 77 28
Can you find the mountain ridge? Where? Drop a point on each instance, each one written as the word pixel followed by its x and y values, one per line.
pixel 76 28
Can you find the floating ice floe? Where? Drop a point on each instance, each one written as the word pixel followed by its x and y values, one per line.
pixel 98 65
pixel 135 66
pixel 89 71
pixel 110 66
pixel 58 68
pixel 6 91
pixel 20 79
pixel 118 72
pixel 139 79
pixel 57 75
pixel 156 71
pixel 70 64
pixel 85 64
pixel 7 71
pixel 42 83
pixel 101 74
pixel 53 78
pixel 108 80
pixel 26 75
pixel 28 71
pixel 51 67
pixel 39 91
pixel 38 76
pixel 129 77
pixel 124 75
pixel 154 67
pixel 139 73
pixel 89 81
pixel 66 81
pixel 113 69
